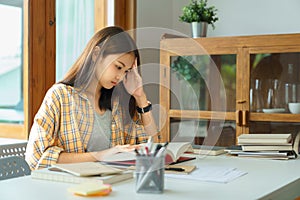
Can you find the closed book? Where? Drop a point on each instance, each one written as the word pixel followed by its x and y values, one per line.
pixel 271 139
pixel 59 176
pixel 233 148
pixel 86 168
pixel 288 147
pixel 208 150
pixel 280 155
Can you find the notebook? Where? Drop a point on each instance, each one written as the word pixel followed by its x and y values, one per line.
pixel 59 176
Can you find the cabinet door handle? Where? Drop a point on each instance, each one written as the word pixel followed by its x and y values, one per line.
pixel 245 117
pixel 241 101
pixel 238 117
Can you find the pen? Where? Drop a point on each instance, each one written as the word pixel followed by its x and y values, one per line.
pixel 177 169
pixel 166 144
pixel 147 151
pixel 150 143
pixel 160 152
pixel 137 152
pixel 157 148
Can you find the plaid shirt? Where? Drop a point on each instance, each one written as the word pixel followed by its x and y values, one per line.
pixel 64 123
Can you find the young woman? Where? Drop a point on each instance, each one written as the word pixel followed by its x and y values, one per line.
pixel 93 112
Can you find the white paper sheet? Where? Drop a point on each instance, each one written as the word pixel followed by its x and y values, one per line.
pixel 211 174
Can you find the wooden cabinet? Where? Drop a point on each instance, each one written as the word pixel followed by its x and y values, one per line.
pixel 230 68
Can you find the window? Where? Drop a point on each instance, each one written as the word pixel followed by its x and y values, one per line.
pixel 74 27
pixel 11 66
pixel 76 22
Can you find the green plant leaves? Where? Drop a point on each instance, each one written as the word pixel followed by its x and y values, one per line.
pixel 185 70
pixel 199 11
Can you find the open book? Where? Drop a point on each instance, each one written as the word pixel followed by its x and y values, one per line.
pixel 86 169
pixel 174 152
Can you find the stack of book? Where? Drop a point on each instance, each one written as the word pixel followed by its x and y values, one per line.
pixel 270 146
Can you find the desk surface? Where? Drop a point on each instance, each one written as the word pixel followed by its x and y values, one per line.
pixel 266 179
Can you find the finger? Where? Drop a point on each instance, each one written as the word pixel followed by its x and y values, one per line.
pixel 135 74
pixel 135 63
pixel 127 149
pixel 137 146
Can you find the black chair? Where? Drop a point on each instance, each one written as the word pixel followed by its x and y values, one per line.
pixel 15 149
pixel 12 167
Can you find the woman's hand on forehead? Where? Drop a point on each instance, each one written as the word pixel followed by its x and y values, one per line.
pixel 133 81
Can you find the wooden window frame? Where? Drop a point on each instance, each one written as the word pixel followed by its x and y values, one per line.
pixel 125 14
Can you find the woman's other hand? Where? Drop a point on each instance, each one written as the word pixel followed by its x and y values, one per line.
pixel 101 155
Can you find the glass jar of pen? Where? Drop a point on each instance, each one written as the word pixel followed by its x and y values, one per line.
pixel 150 171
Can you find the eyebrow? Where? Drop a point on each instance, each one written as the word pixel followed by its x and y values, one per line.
pixel 121 63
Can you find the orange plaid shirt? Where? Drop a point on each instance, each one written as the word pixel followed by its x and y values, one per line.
pixel 64 123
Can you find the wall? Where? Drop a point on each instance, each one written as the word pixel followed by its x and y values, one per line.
pixel 236 17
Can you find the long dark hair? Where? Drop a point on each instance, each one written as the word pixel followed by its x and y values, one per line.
pixel 111 40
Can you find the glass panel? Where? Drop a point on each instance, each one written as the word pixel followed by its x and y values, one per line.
pixel 203 82
pixel 74 27
pixel 275 82
pixel 11 58
pixel 205 132
pixel 275 127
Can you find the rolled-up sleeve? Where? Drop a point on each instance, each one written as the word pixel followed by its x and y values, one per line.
pixel 42 150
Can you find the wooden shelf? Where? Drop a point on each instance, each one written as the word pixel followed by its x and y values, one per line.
pixel 248 51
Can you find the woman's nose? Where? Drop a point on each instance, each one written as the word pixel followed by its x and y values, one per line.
pixel 120 75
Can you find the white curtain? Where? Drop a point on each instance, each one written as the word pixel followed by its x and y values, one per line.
pixel 74 27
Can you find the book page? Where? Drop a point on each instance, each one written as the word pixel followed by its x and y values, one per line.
pixel 176 149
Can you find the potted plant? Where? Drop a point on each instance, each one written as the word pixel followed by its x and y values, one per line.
pixel 199 15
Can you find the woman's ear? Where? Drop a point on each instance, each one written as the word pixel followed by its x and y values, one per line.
pixel 96 52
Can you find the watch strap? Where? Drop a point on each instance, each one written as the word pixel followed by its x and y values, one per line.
pixel 144 109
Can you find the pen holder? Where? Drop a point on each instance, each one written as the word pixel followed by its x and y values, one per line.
pixel 150 174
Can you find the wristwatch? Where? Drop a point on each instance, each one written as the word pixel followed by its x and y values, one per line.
pixel 145 109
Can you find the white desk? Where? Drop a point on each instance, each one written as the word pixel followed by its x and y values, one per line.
pixel 266 179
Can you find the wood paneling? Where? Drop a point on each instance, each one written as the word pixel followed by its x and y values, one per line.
pixel 41 68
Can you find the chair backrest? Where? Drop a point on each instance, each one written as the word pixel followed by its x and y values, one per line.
pixel 12 167
pixel 15 149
